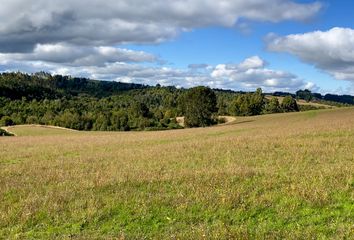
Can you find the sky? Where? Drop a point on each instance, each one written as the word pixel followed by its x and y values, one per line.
pixel 278 45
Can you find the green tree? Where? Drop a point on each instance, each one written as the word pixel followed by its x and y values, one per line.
pixel 47 118
pixel 257 102
pixel 120 121
pixel 199 104
pixel 289 104
pixel 102 123
pixel 273 106
pixel 304 94
pixel 222 106
pixel 139 109
pixel 241 105
pixel 248 104
pixel 32 120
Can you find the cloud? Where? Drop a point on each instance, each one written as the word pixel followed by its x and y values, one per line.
pixel 252 73
pixel 79 56
pixel 27 24
pixel 85 38
pixel 252 62
pixel 331 51
pixel 198 66
pixel 247 75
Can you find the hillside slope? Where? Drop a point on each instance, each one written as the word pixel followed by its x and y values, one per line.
pixel 266 177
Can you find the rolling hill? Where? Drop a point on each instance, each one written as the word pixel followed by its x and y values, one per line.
pixel 261 177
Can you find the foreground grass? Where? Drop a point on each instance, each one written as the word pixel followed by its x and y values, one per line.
pixel 273 176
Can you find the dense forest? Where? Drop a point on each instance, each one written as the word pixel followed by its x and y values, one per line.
pixel 85 104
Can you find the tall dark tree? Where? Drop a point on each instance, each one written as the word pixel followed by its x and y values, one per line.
pixel 199 104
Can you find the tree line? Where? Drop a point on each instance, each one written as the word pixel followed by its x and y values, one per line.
pixel 330 99
pixel 85 104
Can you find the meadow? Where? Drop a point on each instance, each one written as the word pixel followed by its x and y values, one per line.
pixel 279 176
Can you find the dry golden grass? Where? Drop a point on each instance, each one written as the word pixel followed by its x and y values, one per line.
pixel 37 130
pixel 267 177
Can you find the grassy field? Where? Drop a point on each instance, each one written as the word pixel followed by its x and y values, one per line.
pixel 37 130
pixel 268 177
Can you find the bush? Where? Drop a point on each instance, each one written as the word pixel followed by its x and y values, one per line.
pixel 289 104
pixel 305 95
pixel 248 104
pixel 4 133
pixel 32 120
pixel 6 121
pixel 221 120
pixel 273 106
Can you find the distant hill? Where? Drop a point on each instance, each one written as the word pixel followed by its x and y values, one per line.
pixel 317 97
pixel 85 104
pixel 43 85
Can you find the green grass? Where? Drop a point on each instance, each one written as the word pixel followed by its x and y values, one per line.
pixel 281 176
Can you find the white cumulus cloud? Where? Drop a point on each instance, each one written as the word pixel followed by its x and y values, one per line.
pixel 26 23
pixel 86 38
pixel 253 73
pixel 78 56
pixel 247 75
pixel 331 51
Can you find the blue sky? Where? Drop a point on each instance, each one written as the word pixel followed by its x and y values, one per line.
pixel 231 45
pixel 279 45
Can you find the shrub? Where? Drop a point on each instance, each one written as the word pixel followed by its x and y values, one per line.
pixel 248 104
pixel 4 133
pixel 289 104
pixel 273 106
pixel 6 121
pixel 221 120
